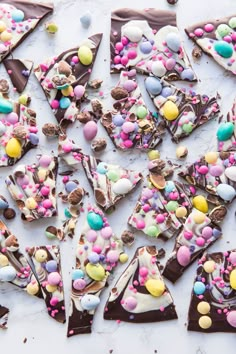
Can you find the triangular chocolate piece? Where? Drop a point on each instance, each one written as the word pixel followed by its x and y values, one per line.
pixel 130 124
pixel 140 294
pixel 64 78
pixel 212 307
pixel 19 71
pixel 4 311
pixel 98 252
pixel 19 19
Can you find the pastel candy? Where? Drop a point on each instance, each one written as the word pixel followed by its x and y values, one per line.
pixel 203 307
pixel 95 272
pixel 146 47
pixel 205 322
pixel 3 260
pixel 130 303
pixel 232 22
pixel 225 131
pixel 224 49
pixel 90 130
pixel 32 288
pixel 7 273
pixel 133 33
pixel 209 266
pixel 155 287
pixel 141 112
pixel 216 170
pixel 86 20
pixel 225 191
pixel 232 257
pixel 95 221
pixel 122 186
pixel 170 110
pixel 183 256
pixel 85 55
pixel 187 74
pixel 199 288
pixel 230 172
pixel 231 318
pixel 223 30
pixel 200 203
pixel 130 85
pixel 13 148
pixel 153 85
pixel 152 231
pixel 5 106
pixel 232 279
pixel 158 68
pixel 173 41
pixel 211 157
pixel 89 302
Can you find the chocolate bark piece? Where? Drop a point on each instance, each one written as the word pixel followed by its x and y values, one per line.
pixel 4 311
pixel 59 76
pixel 213 306
pixel 19 72
pixel 110 182
pixel 130 124
pixel 132 299
pixel 18 131
pixel 182 111
pixel 226 132
pixel 69 152
pixel 199 233
pixel 19 26
pixel 33 187
pixel 97 254
pixel 215 173
pixel 14 267
pixel 149 41
pixel 161 211
pixel 217 38
pixel 47 269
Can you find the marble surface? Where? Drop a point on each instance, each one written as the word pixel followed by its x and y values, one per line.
pixel 28 317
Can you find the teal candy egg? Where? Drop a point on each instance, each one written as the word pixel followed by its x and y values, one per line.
pixel 5 106
pixel 95 221
pixel 102 168
pixel 225 131
pixel 224 49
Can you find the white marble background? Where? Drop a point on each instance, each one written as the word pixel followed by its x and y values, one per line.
pixel 28 317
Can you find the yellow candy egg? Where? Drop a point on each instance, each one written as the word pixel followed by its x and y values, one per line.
pixel 181 212
pixel 13 148
pixel 51 288
pixel 123 258
pixel 205 322
pixel 155 287
pixel 3 260
pixel 95 271
pixel 209 266
pixel 32 288
pixel 200 203
pixel 232 279
pixel 30 203
pixel 42 174
pixel 2 26
pixel 211 157
pixel 170 110
pixel 67 91
pixel 85 55
pixel 6 36
pixel 199 217
pixel 203 307
pixel 153 154
pixel 41 256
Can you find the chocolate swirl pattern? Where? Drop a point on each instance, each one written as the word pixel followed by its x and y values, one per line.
pixel 3 317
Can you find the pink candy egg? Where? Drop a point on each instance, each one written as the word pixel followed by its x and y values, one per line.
pixel 140 224
pixel 232 257
pixel 12 118
pixel 200 241
pixel 130 303
pixel 106 232
pixel 54 278
pixel 79 91
pixel 231 318
pixel 170 64
pixel 90 130
pixel 128 143
pixel 47 204
pixel 216 171
pixel 207 232
pixel 91 235
pixel 79 284
pixel 54 104
pixel 143 272
pixel 112 256
pixel 45 191
pixel 129 85
pixel 128 127
pixel 209 27
pixel 45 161
pixel 183 256
pixel 203 170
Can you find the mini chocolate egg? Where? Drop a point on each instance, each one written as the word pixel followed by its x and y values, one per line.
pixel 170 110
pixel 200 203
pixel 141 112
pixel 172 205
pixel 94 220
pixel 51 266
pixel 85 55
pixel 77 274
pixel 223 30
pixel 158 68
pixel 225 131
pixel 86 19
pixel 54 278
pixel 93 257
pixel 152 231
pixel 3 260
pixel 173 41
pixel 203 307
pixel 51 27
pixel 13 148
pixel 199 217
pixel 232 257
pixel 166 91
pixel 122 186
pixel 170 63
pixel 224 49
pixel 41 256
pixel 130 85
pixel 181 152
pixel 133 33
pixel 34 139
pixel 118 120
pixel 232 279
pixel 32 288
pixel 231 318
pixel 209 266
pixel 153 85
pixel 90 130
pixel 79 91
pixel 51 232
pixel 130 303
pixel 70 186
pixel 31 203
pixel 211 157
pixel 3 203
pixel 7 273
pixel 89 302
pixel 232 22
pixel 123 258
pixel 155 287
pixel 79 284
pixel 216 170
pixel 112 256
pixel 153 155
pixel 230 173
pixel 181 212
pixel 187 74
pixel 145 47
pixel 113 175
pixel 226 192
pixel 128 127
pixel 95 272
pixel 12 118
pixel 205 322
pixel 183 256
pixel 199 288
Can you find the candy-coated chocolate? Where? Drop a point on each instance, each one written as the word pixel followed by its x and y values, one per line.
pixel 85 55
pixel 13 148
pixel 89 302
pixel 225 131
pixel 95 272
pixel 170 110
pixel 183 256
pixel 95 221
pixel 205 322
pixel 7 273
pixel 203 307
pixel 200 203
pixel 155 287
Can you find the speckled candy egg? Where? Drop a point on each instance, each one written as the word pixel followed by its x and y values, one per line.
pixel 7 273
pixel 12 118
pixel 41 256
pixel 173 41
pixel 231 318
pixel 225 191
pixel 118 120
pixel 224 49
pixel 90 130
pixel 13 148
pixel 187 74
pixel 112 256
pixel 95 221
pixel 145 47
pixel 209 266
pixel 79 284
pixel 225 131
pixel 130 85
pixel 85 55
pixel 211 157
pixel 122 186
pixel 230 173
pixel 183 256
pixel 158 68
pixel 95 272
pixel 153 86
pixel 89 302
pixel 45 161
pixel 170 110
pixel 223 30
pixel 133 33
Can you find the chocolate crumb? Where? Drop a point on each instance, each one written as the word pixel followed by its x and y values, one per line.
pixel 25 340
pixel 196 52
pixel 9 213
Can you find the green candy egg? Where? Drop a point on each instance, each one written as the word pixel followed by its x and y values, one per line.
pixel 187 128
pixel 141 112
pixel 225 131
pixel 172 205
pixel 113 175
pixel 152 231
pixel 50 235
pixel 95 271
pixel 95 221
pixel 224 49
pixel 223 30
pixel 85 55
pixel 232 22
pixel 5 106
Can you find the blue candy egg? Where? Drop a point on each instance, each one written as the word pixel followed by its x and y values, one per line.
pixel 93 257
pixel 216 233
pixel 187 74
pixel 118 120
pixel 170 186
pixel 64 102
pixel 173 41
pixel 7 273
pixel 86 20
pixel 34 139
pixel 51 266
pixel 153 85
pixel 102 168
pixel 89 302
pixel 70 186
pixel 166 92
pixel 199 288
pixel 17 15
pixel 77 274
pixel 95 221
pixel 146 47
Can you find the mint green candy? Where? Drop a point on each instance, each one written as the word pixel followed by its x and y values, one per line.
pixel 50 235
pixel 225 131
pixel 187 128
pixel 5 106
pixel 141 112
pixel 172 205
pixel 113 175
pixel 223 30
pixel 224 49
pixel 232 22
pixel 152 231
pixel 67 213
pixel 95 221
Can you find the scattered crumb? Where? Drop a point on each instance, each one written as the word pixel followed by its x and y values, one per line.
pixel 25 340
pixel 111 351
pixel 155 351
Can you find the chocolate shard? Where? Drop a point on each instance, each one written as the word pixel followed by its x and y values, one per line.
pixel 130 124
pixel 132 299
pixel 19 71
pixel 4 311
pixel 149 35
pixel 189 110
pixel 32 14
pixel 97 254
pixel 47 269
pixel 213 302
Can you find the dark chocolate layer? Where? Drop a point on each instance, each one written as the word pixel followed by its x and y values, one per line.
pixel 17 76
